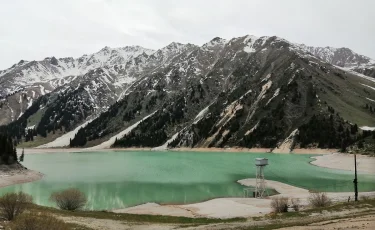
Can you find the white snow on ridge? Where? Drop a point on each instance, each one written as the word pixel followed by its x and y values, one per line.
pixel 252 129
pixel 42 90
pixel 201 114
pixel 249 41
pixel 368 86
pixel 64 140
pixel 249 49
pixel 165 145
pixel 29 103
pixel 370 99
pixel 367 128
pixel 215 42
pixel 274 95
pixel 356 73
pixel 251 38
pixel 68 68
pixel 266 78
pixel 11 110
pixel 111 141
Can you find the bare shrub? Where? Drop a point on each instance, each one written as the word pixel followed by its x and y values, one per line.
pixel 319 199
pixel 37 222
pixel 279 204
pixel 69 199
pixel 296 204
pixel 14 204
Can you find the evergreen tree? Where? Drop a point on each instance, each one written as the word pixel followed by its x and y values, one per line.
pixel 8 152
pixel 22 156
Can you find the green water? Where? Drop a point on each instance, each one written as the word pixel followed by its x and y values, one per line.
pixel 122 179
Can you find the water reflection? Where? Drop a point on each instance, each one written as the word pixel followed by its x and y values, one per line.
pixel 126 194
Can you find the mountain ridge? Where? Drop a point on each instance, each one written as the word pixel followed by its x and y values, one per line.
pixel 248 74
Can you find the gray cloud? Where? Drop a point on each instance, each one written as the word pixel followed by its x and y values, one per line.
pixel 32 30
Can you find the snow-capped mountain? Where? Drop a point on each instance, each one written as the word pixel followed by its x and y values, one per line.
pixel 343 57
pixel 221 93
pixel 247 92
pixel 110 70
pixel 24 73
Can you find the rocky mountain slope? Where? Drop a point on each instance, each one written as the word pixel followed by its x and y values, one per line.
pixel 251 92
pixel 343 57
pixel 25 81
pixel 246 91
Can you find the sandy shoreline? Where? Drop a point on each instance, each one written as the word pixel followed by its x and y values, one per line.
pixel 234 150
pixel 17 175
pixel 365 164
pixel 235 207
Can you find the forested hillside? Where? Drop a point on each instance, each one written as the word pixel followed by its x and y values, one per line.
pixel 246 92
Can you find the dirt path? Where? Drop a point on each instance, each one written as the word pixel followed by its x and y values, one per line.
pixel 106 224
pixel 364 222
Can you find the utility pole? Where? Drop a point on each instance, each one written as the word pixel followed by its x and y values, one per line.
pixel 355 181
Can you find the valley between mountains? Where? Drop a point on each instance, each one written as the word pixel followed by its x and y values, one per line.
pixel 244 92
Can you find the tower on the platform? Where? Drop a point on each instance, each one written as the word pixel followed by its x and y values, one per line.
pixel 260 187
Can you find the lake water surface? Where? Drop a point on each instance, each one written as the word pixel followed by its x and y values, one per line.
pixel 119 179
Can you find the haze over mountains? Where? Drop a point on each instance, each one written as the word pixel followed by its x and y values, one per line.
pixel 246 91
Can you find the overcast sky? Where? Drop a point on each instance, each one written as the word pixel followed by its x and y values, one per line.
pixel 32 30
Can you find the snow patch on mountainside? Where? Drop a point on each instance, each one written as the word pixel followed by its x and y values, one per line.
pixel 254 106
pixel 201 114
pixel 249 41
pixel 64 140
pixel 42 90
pixel 12 111
pixel 214 43
pixel 274 95
pixel 287 145
pixel 252 129
pixel 111 141
pixel 29 103
pixel 368 86
pixel 367 128
pixel 165 145
pixel 63 70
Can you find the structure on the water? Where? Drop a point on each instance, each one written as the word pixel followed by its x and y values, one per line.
pixel 260 187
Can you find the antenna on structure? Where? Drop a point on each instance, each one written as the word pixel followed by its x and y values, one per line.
pixel 260 187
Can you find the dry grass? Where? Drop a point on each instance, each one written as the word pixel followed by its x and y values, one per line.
pixel 14 204
pixel 37 222
pixel 364 198
pixel 279 204
pixel 319 199
pixel 70 199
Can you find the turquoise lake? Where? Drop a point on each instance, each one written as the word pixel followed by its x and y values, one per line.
pixel 119 179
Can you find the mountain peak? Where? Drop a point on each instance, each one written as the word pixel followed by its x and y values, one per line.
pixel 106 48
pixel 251 38
pixel 215 41
pixel 174 45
